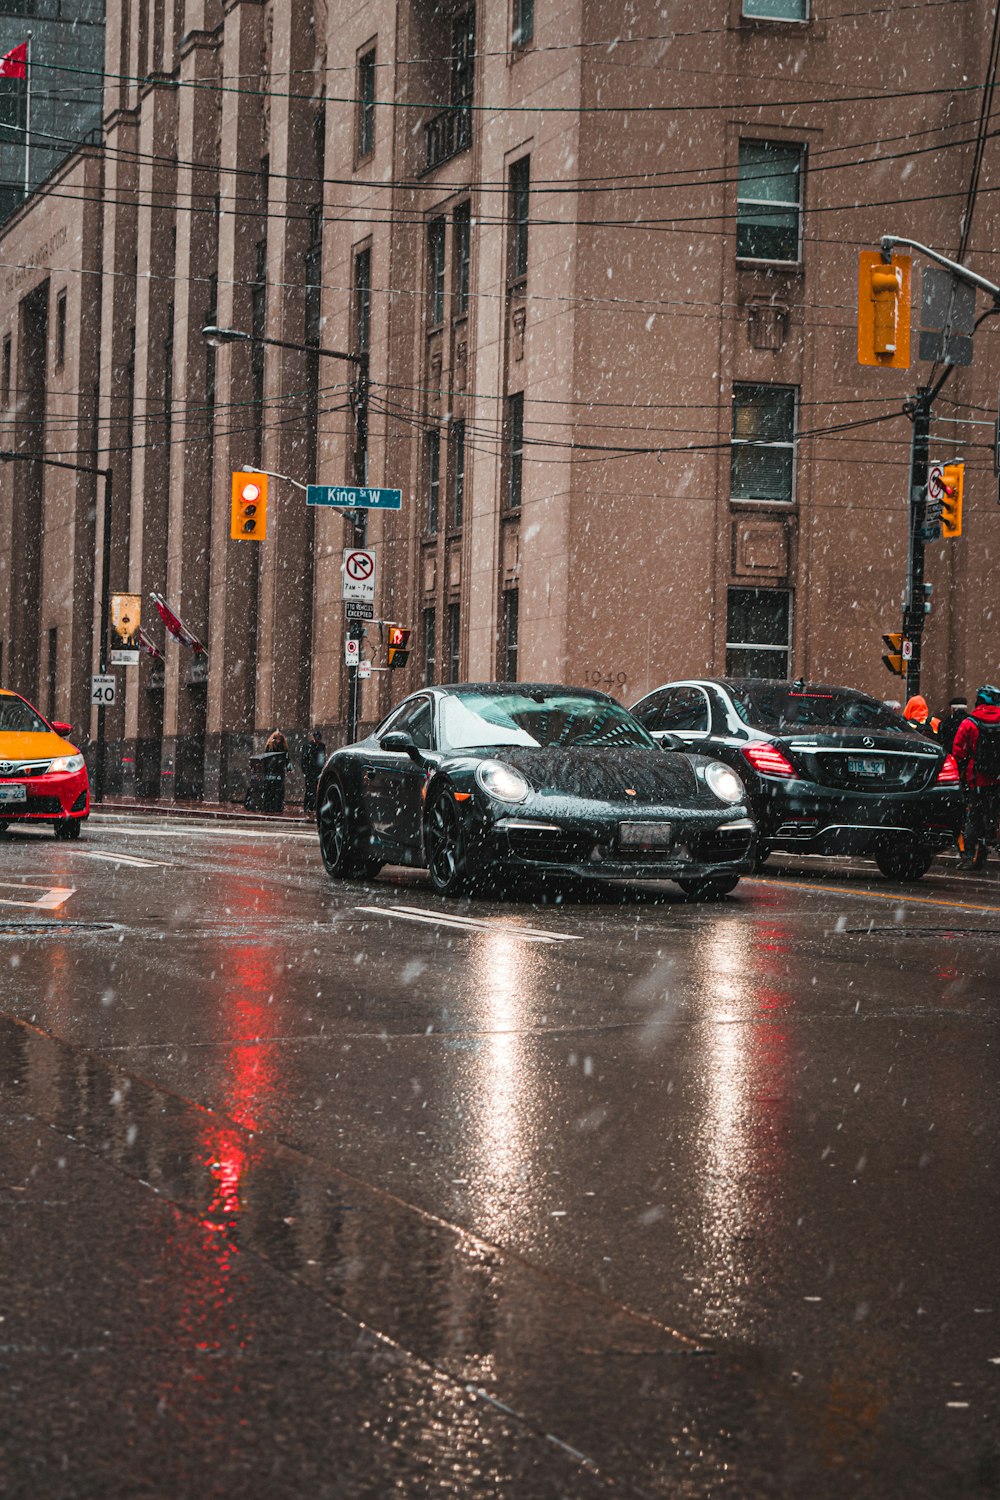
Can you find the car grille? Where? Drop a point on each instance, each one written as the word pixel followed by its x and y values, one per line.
pixel 720 843
pixel 903 773
pixel 550 846
pixel 42 805
pixel 16 770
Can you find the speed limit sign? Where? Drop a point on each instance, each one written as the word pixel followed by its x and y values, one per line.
pixel 102 691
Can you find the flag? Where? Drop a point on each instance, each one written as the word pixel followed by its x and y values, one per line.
pixel 177 628
pixel 14 64
pixel 145 644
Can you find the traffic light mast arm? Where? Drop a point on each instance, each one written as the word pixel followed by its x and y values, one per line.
pixel 890 241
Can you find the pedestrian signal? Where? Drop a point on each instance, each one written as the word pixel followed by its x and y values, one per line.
pixel 952 486
pixel 248 520
pixel 893 659
pixel 399 646
pixel 884 310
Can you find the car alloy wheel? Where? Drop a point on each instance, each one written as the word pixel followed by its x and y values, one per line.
pixel 445 844
pixel 337 839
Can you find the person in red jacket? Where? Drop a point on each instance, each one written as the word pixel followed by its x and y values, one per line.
pixel 977 751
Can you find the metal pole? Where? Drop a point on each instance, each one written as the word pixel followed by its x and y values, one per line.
pixel 27 118
pixel 359 520
pixel 102 634
pixel 913 604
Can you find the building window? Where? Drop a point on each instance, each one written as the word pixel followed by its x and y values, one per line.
pixel 463 55
pixel 518 195
pixel 763 452
pixel 454 642
pixel 432 452
pixel 60 330
pixel 508 637
pixel 5 376
pixel 258 329
pixel 777 10
pixel 435 272
pixel 758 633
pixel 523 27
pixel 362 310
pixel 514 450
pixel 769 201
pixel 456 471
pixel 461 247
pixel 366 104
pixel 50 684
pixel 430 628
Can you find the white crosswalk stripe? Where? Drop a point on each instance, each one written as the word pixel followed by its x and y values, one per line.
pixel 470 924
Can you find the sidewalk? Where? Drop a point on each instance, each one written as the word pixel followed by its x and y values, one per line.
pixel 194 808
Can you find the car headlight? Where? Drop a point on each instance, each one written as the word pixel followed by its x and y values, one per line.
pixel 67 763
pixel 501 781
pixel 724 782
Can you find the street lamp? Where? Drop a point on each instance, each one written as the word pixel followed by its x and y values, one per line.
pixel 7 455
pixel 218 337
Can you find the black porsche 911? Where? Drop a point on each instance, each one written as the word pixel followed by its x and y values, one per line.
pixel 480 781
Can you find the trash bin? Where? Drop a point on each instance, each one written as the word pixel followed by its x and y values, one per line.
pixel 266 790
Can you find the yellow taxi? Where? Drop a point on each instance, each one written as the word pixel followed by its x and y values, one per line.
pixel 43 777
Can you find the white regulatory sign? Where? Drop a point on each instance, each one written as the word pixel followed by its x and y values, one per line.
pixel 352 651
pixel 358 574
pixel 102 691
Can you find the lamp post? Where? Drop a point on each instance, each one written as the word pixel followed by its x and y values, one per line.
pixel 6 456
pixel 218 337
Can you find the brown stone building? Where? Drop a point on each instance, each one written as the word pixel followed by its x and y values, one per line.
pixel 596 270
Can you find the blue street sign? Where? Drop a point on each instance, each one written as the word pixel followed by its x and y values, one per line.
pixel 351 498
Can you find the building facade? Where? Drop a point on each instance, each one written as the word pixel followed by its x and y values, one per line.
pixel 584 284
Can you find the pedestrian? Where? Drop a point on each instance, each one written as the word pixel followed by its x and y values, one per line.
pixel 275 766
pixel 312 760
pixel 977 751
pixel 958 709
pixel 919 715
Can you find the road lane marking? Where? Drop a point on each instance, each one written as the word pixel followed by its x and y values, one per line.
pixel 125 859
pixel 469 924
pixel 865 894
pixel 52 897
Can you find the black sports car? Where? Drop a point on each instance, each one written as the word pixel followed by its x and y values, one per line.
pixel 828 770
pixel 480 780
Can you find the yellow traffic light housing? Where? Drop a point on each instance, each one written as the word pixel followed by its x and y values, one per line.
pixel 952 486
pixel 893 659
pixel 884 310
pixel 248 519
pixel 399 646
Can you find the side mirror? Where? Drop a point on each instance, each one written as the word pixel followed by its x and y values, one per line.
pixel 61 728
pixel 668 741
pixel 398 742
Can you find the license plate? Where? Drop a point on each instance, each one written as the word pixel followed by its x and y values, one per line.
pixel 866 765
pixel 645 835
pixel 13 794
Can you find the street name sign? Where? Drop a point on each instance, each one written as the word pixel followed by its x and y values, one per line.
pixel 358 574
pixel 347 497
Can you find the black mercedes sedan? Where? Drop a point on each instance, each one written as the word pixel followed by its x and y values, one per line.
pixel 828 770
pixel 478 782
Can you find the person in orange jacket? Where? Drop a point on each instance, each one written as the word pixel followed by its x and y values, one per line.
pixel 919 715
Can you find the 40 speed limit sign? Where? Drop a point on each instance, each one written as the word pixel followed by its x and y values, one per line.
pixel 102 691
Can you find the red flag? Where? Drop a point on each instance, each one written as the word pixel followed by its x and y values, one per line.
pixel 176 626
pixel 14 64
pixel 145 644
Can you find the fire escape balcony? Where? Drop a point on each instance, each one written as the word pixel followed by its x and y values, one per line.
pixel 446 135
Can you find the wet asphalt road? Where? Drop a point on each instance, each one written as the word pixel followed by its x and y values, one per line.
pixel 349 1191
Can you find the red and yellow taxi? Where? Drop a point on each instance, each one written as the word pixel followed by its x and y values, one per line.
pixel 43 777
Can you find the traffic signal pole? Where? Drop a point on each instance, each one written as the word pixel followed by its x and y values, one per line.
pixel 359 538
pixel 913 602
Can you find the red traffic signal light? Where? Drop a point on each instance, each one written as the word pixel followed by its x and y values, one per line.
pixel 248 519
pixel 399 646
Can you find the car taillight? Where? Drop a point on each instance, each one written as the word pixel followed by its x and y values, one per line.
pixel 768 761
pixel 948 774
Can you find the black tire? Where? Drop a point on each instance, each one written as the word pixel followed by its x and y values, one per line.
pixel 71 829
pixel 4 825
pixel 904 861
pixel 709 887
pixel 338 838
pixel 761 855
pixel 447 848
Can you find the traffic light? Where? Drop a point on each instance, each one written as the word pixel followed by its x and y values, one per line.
pixel 399 646
pixel 952 484
pixel 893 658
pixel 248 521
pixel 884 310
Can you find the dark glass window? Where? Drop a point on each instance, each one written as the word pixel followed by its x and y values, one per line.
pixel 454 642
pixel 763 453
pixel 523 29
pixel 677 708
pixel 366 104
pixel 769 201
pixel 508 636
pixel 758 633
pixel 461 247
pixel 519 189
pixel 514 444
pixel 463 53
pixel 6 374
pixel 362 300
pixel 430 631
pixel 435 272
pixel 456 470
pixel 61 330
pixel 50 685
pixel 432 452
pixel 777 10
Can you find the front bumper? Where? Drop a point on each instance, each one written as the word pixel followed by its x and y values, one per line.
pixel 50 798
pixel 699 846
pixel 809 819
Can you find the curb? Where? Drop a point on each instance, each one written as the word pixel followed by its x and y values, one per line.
pixel 209 811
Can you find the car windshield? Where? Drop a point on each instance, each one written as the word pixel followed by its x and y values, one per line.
pixel 17 715
pixel 776 705
pixel 538 719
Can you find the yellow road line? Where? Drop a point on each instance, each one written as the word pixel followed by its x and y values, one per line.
pixel 845 890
